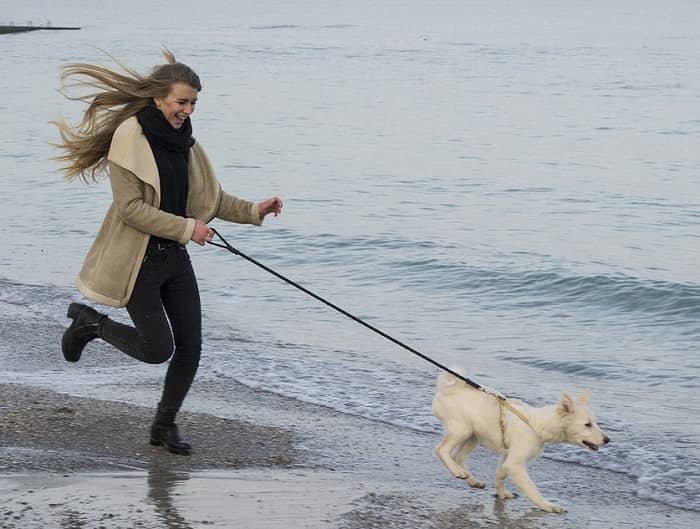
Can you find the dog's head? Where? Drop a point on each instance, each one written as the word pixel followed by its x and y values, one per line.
pixel 580 427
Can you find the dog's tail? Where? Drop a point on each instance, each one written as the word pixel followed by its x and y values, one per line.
pixel 447 381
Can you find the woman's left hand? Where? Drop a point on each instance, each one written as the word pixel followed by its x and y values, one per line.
pixel 271 205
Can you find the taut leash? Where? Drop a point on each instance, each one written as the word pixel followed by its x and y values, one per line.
pixel 503 401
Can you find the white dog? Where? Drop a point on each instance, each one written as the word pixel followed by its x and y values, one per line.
pixel 471 417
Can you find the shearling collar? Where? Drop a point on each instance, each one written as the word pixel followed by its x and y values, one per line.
pixel 130 149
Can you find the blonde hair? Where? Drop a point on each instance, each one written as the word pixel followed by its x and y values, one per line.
pixel 118 97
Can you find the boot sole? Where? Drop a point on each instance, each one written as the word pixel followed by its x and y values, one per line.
pixel 170 448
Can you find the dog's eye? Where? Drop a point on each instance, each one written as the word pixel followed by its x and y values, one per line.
pixel 589 424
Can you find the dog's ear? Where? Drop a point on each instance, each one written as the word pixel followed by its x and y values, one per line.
pixel 585 397
pixel 566 404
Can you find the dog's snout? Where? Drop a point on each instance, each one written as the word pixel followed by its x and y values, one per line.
pixel 606 439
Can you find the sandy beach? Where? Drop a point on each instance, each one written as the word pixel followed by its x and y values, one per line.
pixel 70 462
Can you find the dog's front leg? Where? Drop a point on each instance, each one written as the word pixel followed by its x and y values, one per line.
pixel 517 471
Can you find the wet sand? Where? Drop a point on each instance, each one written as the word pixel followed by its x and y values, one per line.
pixel 75 463
pixel 51 432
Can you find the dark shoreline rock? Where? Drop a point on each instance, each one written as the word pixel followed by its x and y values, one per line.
pixel 24 29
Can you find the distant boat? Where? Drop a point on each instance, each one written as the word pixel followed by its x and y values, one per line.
pixel 23 29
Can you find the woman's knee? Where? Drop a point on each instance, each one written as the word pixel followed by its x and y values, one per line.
pixel 158 351
pixel 187 356
pixel 159 357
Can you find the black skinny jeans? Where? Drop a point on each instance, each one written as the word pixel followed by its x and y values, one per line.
pixel 166 286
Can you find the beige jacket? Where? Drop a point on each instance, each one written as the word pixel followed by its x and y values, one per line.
pixel 114 260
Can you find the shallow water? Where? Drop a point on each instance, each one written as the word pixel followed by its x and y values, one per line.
pixel 509 189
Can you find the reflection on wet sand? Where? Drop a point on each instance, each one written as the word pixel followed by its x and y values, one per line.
pixel 161 489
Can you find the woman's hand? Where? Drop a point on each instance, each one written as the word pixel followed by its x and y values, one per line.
pixel 202 233
pixel 271 205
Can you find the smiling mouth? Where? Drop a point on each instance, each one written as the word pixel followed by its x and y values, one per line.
pixel 590 445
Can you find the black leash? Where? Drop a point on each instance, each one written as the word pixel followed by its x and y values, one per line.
pixel 235 251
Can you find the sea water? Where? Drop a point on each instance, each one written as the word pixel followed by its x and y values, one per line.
pixel 508 187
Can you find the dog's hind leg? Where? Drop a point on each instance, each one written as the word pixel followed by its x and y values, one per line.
pixel 501 476
pixel 460 457
pixel 448 444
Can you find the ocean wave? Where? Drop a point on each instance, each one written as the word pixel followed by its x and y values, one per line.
pixel 652 301
pixel 666 478
pixel 28 295
pixel 606 370
pixel 40 300
pixel 429 266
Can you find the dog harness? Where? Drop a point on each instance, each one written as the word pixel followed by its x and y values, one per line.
pixel 503 403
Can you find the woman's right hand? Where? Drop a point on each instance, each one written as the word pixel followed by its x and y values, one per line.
pixel 202 233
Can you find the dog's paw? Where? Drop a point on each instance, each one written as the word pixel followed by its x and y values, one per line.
pixel 552 507
pixel 505 494
pixel 462 474
pixel 475 483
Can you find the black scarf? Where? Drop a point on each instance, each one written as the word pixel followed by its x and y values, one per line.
pixel 170 149
pixel 159 130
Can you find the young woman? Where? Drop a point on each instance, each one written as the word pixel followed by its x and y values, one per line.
pixel 137 129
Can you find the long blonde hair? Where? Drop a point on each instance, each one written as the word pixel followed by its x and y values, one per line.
pixel 118 97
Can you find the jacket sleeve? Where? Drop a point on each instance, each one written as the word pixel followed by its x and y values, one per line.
pixel 128 195
pixel 234 209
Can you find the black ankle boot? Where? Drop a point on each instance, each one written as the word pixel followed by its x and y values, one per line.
pixel 169 436
pixel 164 432
pixel 85 327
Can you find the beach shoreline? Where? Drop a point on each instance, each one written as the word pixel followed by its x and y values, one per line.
pixel 45 431
pixel 85 463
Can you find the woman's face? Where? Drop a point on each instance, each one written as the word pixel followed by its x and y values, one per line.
pixel 178 104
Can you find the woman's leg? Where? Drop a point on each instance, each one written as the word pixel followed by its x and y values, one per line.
pixel 166 284
pixel 180 297
pixel 150 340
